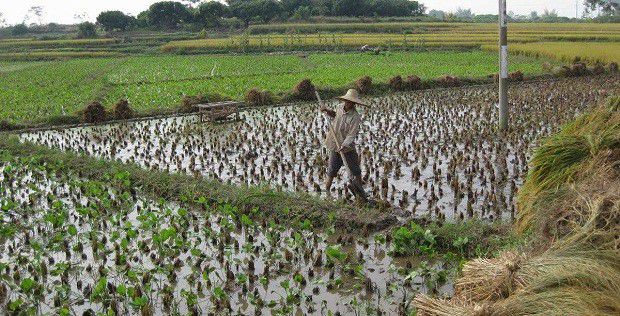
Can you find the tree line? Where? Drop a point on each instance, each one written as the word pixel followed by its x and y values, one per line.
pixel 173 15
pixel 200 14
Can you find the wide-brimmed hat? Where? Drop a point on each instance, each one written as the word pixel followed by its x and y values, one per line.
pixel 353 96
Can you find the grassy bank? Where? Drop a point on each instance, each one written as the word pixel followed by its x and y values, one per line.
pixel 286 206
pixel 571 204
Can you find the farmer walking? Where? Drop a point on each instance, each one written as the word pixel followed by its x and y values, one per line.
pixel 340 142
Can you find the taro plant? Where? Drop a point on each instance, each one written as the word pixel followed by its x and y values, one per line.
pixel 413 239
pixel 335 254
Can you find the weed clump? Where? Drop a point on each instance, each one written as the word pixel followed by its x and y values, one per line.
pixel 94 113
pixel 579 69
pixel 189 101
pixel 122 110
pixel 8 126
pixel 363 85
pixel 413 82
pixel 257 97
pixel 612 67
pixel 515 76
pixel 575 70
pixel 597 69
pixel 304 90
pixel 396 83
pixel 449 81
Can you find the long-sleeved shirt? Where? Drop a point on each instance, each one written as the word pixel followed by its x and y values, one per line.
pixel 344 129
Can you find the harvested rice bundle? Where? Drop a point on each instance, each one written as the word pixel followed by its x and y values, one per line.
pixel 491 279
pixel 429 306
pixel 578 264
pixel 560 301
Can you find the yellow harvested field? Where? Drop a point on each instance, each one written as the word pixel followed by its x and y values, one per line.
pixel 567 51
pixel 374 39
pixel 449 35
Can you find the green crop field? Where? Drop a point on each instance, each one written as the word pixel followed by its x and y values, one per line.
pixel 48 78
pixel 37 90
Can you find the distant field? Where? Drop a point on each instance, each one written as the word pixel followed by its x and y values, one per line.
pixel 34 90
pixel 4 44
pixel 436 27
pixel 326 36
pixel 38 90
pixel 604 52
pixel 45 55
pixel 386 40
pixel 339 36
pixel 44 78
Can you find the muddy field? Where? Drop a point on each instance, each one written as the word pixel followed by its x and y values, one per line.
pixel 70 246
pixel 433 153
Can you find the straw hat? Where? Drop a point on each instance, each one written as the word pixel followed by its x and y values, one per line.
pixel 353 96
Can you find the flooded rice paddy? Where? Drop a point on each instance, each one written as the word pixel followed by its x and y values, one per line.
pixel 73 246
pixel 70 246
pixel 433 153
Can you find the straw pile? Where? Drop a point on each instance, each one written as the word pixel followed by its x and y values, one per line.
pixel 571 202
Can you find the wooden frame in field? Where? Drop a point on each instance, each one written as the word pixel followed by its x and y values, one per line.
pixel 219 112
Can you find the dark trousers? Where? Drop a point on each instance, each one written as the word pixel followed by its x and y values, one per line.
pixel 352 160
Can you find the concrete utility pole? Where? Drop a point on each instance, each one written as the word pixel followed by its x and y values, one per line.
pixel 503 66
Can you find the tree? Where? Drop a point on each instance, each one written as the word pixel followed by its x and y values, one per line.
pixel 190 3
pixel 485 18
pixel 20 29
pixel 607 7
pixel 142 20
pixel 322 7
pixel 302 14
pixel 352 7
pixel 463 14
pixel 210 14
pixel 396 8
pixel 114 20
pixel 54 28
pixel 87 30
pixel 534 16
pixel 437 14
pixel 549 14
pixel 255 10
pixel 37 11
pixel 2 20
pixel 168 14
pixel 81 17
pixel 290 6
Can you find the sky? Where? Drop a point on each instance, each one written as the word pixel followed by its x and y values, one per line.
pixel 64 11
